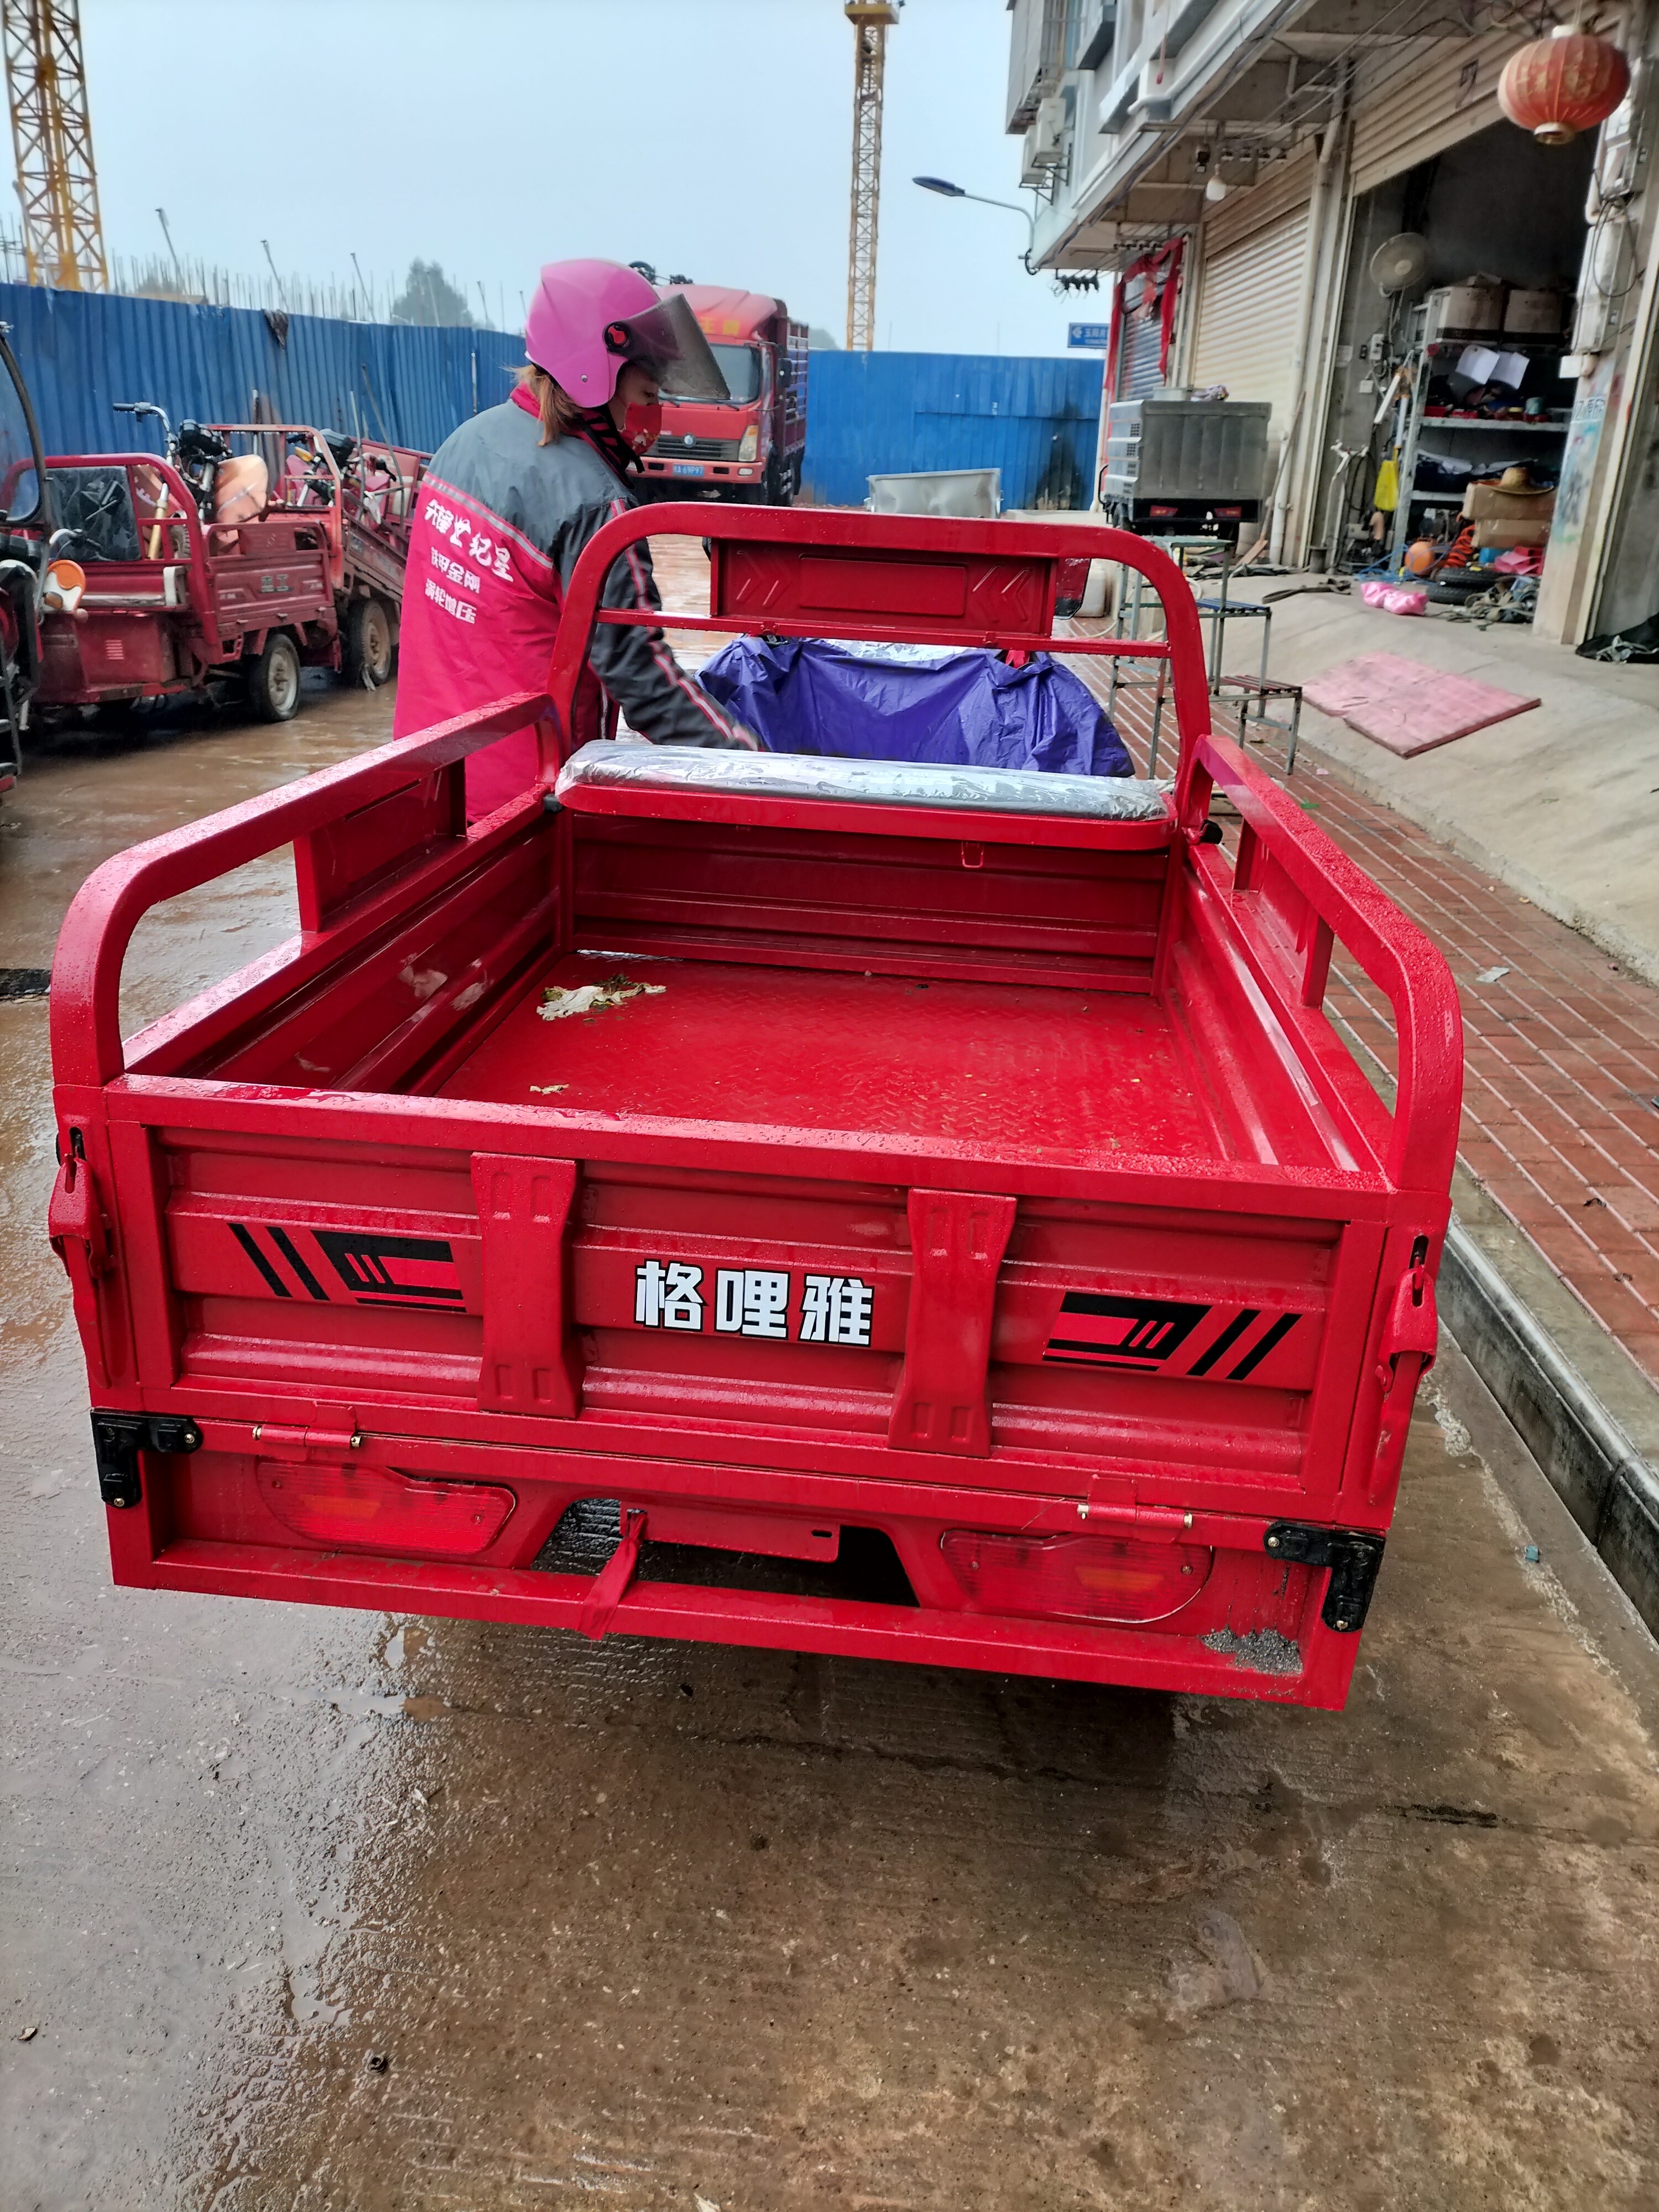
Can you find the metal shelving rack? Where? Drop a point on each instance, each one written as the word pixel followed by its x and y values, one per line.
pixel 1430 362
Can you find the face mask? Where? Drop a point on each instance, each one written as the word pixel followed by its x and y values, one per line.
pixel 642 425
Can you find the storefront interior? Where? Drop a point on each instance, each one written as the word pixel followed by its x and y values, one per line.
pixel 1439 384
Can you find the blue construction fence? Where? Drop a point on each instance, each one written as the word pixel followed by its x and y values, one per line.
pixel 867 413
pixel 870 414
pixel 81 351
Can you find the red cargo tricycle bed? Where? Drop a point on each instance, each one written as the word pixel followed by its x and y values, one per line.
pixel 838 1205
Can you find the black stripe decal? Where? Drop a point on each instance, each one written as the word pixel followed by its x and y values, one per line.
pixel 260 1260
pixel 289 1251
pixel 1280 1329
pixel 1224 1343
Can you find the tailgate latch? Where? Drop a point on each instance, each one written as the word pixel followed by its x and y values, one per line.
pixel 75 1217
pixel 1353 1557
pixel 1412 1323
pixel 118 1439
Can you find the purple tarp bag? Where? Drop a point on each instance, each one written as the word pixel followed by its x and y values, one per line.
pixel 957 708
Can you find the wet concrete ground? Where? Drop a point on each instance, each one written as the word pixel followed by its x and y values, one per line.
pixel 312 1909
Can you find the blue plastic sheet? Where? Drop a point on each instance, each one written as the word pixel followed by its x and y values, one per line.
pixel 958 708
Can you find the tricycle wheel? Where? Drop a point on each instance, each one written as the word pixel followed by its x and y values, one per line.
pixel 368 646
pixel 273 680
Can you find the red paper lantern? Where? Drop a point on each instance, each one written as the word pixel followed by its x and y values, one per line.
pixel 1557 87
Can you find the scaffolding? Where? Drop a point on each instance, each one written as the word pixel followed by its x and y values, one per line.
pixel 872 20
pixel 51 141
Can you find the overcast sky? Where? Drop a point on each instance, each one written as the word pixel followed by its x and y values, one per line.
pixel 712 136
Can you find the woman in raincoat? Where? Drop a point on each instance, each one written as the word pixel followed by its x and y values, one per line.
pixel 509 502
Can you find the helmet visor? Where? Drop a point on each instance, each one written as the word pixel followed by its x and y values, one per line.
pixel 666 338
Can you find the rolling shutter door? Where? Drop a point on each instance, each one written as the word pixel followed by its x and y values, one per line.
pixel 1143 340
pixel 1248 301
pixel 1408 108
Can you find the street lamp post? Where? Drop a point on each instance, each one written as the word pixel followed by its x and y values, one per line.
pixel 949 192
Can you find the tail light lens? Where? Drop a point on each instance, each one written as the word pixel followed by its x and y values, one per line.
pixel 371 1508
pixel 1076 1578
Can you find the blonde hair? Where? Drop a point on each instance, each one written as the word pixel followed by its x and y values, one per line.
pixel 555 410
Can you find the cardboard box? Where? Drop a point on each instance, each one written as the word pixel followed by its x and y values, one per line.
pixel 1486 503
pixel 1533 314
pixel 1464 307
pixel 1507 535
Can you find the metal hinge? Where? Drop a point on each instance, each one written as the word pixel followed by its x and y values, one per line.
pixel 283 1440
pixel 118 1439
pixel 1352 1556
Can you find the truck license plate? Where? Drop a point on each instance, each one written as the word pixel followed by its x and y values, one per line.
pixel 688 468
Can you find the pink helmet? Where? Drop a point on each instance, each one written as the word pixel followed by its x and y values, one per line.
pixel 589 316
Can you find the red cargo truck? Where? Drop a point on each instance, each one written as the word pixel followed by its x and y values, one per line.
pixel 842 1205
pixel 750 447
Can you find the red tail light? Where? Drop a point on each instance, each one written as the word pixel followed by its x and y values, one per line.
pixel 1076 1578
pixel 371 1508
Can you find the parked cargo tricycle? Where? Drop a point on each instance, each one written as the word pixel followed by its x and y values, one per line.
pixel 840 1206
pixel 246 553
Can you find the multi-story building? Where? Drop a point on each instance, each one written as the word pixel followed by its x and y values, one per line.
pixel 1242 164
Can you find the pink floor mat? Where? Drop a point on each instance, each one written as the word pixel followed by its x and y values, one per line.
pixel 1406 707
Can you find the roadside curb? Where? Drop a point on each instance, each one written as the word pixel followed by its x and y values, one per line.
pixel 1602 1476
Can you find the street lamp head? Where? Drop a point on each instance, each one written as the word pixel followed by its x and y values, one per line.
pixel 940 184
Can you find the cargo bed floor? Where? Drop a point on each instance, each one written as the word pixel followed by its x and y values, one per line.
pixel 806 1048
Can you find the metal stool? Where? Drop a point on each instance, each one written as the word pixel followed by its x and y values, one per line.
pixel 1186 551
pixel 1261 689
pixel 1134 605
pixel 1156 685
pixel 1223 610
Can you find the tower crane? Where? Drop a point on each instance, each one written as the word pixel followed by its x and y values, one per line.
pixel 872 20
pixel 51 140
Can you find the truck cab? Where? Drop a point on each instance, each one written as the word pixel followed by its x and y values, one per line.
pixel 748 447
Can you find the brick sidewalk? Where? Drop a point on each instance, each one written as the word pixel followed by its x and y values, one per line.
pixel 1561 1095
